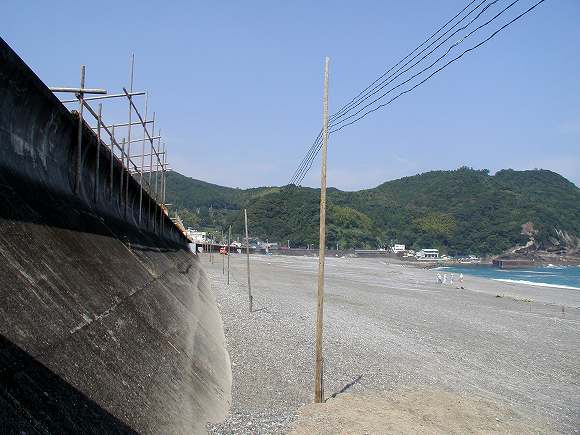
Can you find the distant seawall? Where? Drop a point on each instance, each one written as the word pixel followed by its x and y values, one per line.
pixel 107 325
pixel 367 253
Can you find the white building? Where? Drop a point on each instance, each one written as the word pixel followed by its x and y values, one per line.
pixel 427 254
pixel 398 248
pixel 197 236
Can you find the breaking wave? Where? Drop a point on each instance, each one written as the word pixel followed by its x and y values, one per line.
pixel 538 284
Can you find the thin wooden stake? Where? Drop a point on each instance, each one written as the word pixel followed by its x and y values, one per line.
pixel 318 385
pixel 248 261
pixel 228 251
pixel 122 172
pixel 150 221
pixel 99 120
pixel 112 162
pixel 161 190
pixel 129 136
pixel 80 134
pixel 142 161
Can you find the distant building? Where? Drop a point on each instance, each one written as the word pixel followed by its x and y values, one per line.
pixel 398 248
pixel 197 236
pixel 428 254
pixel 267 245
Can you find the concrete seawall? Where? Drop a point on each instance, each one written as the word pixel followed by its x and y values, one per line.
pixel 105 326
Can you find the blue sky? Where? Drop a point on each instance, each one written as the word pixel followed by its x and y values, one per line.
pixel 237 86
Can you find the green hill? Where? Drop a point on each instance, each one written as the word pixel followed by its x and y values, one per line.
pixel 462 211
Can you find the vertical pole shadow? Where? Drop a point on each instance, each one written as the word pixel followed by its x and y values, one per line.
pixel 347 386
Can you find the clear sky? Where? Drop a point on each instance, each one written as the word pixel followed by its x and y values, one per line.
pixel 237 86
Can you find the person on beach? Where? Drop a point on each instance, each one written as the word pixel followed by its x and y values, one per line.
pixel 461 280
pixel 438 278
pixel 451 279
pixel 444 278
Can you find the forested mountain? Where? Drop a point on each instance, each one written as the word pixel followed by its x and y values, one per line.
pixel 462 211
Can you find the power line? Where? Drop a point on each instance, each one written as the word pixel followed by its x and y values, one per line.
pixel 432 64
pixel 347 105
pixel 310 163
pixel 312 156
pixel 312 153
pixel 313 149
pixel 444 66
pixel 400 72
pixel 305 166
pixel 306 157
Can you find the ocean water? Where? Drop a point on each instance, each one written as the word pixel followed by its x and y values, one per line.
pixel 546 276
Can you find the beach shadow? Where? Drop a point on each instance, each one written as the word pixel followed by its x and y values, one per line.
pixel 255 310
pixel 346 387
pixel 35 400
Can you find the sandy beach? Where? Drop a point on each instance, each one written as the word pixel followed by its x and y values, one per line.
pixel 510 352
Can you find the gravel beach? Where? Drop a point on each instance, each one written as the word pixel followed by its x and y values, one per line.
pixel 390 326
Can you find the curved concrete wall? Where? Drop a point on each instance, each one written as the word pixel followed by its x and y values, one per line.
pixel 105 326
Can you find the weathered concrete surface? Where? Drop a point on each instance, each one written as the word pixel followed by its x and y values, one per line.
pixel 105 326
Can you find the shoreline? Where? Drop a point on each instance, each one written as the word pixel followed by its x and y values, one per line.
pixel 571 262
pixel 537 284
pixel 538 260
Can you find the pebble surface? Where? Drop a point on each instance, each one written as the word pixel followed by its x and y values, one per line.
pixel 389 326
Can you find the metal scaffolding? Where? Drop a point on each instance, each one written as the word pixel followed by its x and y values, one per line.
pixel 151 162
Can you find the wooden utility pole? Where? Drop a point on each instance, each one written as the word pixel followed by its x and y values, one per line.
pixel 228 251
pixel 248 260
pixel 318 386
